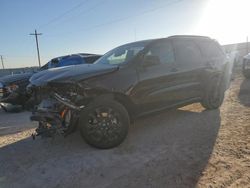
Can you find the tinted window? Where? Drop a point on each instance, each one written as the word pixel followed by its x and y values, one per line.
pixel 54 63
pixel 45 67
pixel 90 60
pixel 210 49
pixel 70 61
pixel 187 52
pixel 164 51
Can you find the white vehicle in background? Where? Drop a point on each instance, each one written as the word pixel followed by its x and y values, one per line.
pixel 246 66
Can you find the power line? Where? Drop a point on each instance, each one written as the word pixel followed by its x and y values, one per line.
pixel 131 16
pixel 136 15
pixel 86 11
pixel 63 14
pixel 37 46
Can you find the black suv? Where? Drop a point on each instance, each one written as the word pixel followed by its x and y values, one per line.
pixel 135 79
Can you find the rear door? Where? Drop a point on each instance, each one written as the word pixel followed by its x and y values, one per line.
pixel 212 53
pixel 189 63
pixel 215 60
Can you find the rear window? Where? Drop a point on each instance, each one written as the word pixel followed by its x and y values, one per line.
pixel 210 49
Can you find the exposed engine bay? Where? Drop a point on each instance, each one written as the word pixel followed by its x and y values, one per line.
pixel 56 113
pixel 60 95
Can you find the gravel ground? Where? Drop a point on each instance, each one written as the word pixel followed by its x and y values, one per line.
pixel 187 147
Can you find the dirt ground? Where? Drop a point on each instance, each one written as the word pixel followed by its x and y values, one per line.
pixel 187 147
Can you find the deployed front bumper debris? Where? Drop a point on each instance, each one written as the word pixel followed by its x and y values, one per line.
pixel 53 118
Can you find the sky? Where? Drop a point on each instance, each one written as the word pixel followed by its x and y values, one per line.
pixel 97 26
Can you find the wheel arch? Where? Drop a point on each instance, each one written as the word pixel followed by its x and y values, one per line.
pixel 121 98
pixel 127 103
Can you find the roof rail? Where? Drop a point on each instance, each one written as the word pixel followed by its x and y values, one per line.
pixel 189 36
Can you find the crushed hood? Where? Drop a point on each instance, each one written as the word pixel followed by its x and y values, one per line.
pixel 70 73
pixel 15 78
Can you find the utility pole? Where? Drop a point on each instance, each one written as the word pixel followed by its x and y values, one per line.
pixel 37 46
pixel 2 61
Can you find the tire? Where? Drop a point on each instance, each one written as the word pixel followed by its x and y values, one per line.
pixel 104 124
pixel 214 94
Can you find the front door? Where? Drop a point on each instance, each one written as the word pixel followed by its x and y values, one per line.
pixel 156 75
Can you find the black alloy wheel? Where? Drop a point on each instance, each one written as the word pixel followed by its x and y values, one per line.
pixel 104 124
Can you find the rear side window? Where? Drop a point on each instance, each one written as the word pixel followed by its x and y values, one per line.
pixel 210 49
pixel 188 53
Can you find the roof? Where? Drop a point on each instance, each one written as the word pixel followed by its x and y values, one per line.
pixel 146 42
pixel 87 54
pixel 189 36
pixel 174 36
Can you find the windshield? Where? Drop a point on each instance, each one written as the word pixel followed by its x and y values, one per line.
pixel 122 54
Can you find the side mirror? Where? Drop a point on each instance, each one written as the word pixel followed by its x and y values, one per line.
pixel 151 60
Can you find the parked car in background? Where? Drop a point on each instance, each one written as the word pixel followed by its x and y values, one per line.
pixel 13 87
pixel 129 81
pixel 246 66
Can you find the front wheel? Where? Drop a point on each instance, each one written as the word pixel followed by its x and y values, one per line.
pixel 214 94
pixel 104 124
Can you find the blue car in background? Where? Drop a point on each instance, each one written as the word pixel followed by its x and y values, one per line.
pixel 13 87
pixel 74 59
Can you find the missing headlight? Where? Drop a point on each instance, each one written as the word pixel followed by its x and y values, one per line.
pixel 12 88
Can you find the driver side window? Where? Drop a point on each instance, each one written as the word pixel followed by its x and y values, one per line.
pixel 117 59
pixel 163 51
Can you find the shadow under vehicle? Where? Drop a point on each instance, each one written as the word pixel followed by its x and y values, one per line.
pixel 132 80
pixel 13 95
pixel 172 148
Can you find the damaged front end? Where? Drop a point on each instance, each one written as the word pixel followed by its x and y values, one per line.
pixel 57 110
pixel 59 96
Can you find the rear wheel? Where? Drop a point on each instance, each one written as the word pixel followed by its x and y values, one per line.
pixel 104 124
pixel 214 94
